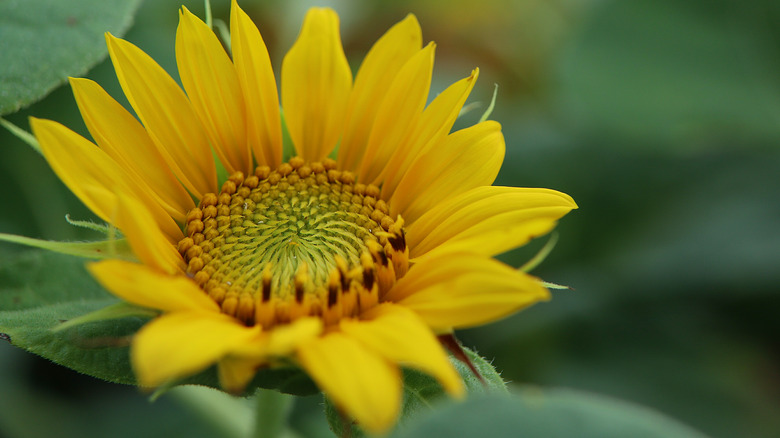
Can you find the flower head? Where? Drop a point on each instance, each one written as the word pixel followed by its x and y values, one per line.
pixel 346 267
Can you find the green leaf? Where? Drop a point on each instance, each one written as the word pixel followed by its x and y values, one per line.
pixel 39 291
pixel 545 413
pixel 97 349
pixel 36 279
pixel 45 41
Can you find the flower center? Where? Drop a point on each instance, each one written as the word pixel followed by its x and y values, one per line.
pixel 301 240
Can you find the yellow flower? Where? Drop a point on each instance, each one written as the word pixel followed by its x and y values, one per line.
pixel 348 268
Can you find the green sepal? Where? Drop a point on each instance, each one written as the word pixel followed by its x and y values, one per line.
pixel 118 310
pixel 105 229
pixel 469 107
pixel 549 285
pixel 421 392
pixel 221 28
pixel 208 18
pixel 540 256
pixel 100 249
pixel 21 134
pixel 288 148
pixel 489 109
pixel 491 380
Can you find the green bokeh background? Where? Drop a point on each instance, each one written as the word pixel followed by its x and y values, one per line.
pixel 661 118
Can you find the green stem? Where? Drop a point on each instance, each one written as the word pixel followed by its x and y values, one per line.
pixel 228 414
pixel 271 411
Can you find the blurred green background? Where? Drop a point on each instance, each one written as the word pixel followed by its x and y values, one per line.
pixel 661 118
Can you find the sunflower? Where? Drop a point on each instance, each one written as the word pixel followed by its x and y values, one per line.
pixel 346 260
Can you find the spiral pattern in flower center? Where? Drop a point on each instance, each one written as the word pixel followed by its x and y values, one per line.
pixel 301 240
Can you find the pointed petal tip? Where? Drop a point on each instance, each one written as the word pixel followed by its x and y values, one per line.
pixel 412 24
pixel 185 13
pixel 39 126
pixel 77 84
pixel 568 201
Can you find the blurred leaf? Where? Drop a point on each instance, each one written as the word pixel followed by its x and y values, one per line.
pixel 698 71
pixel 232 416
pixel 289 380
pixel 75 406
pixel 45 41
pixel 549 413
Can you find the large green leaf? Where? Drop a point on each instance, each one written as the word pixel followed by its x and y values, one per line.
pixel 45 41
pixel 36 279
pixel 538 413
pixel 38 291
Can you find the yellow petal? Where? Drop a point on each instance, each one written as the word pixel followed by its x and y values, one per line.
pixel 239 367
pixel 399 335
pixel 148 243
pixel 258 85
pixel 144 286
pixel 487 221
pixel 376 74
pixel 179 344
pixel 432 127
pixel 284 339
pixel 167 115
pixel 92 175
pixel 363 384
pixel 212 86
pixel 467 159
pixel 316 81
pixel 462 290
pixel 125 140
pixel 236 372
pixel 400 109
